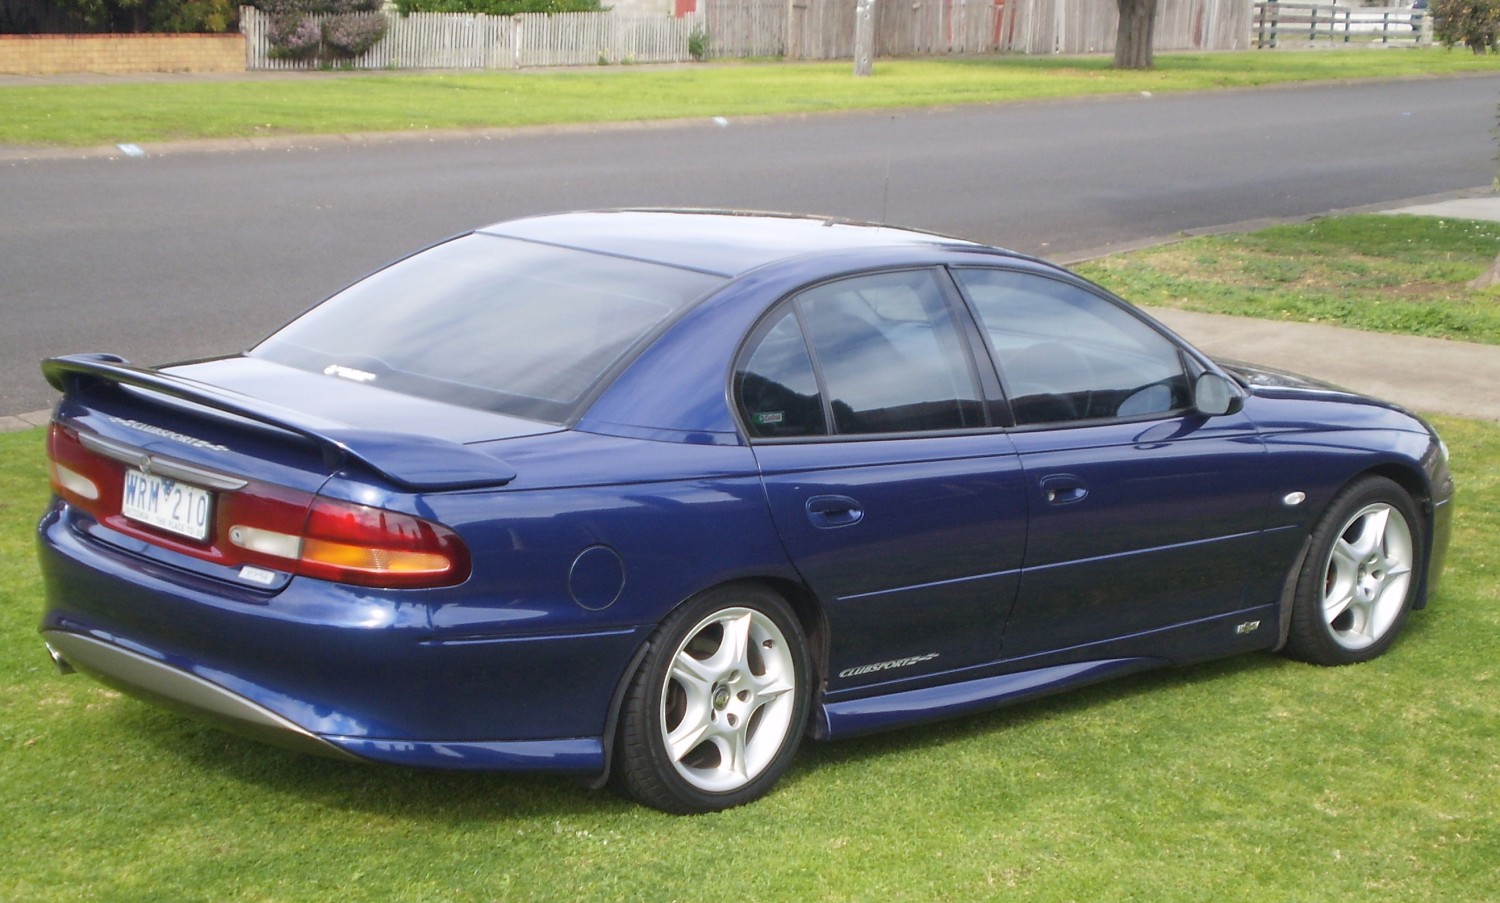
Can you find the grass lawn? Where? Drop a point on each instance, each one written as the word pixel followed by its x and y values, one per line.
pixel 1401 274
pixel 153 112
pixel 1253 778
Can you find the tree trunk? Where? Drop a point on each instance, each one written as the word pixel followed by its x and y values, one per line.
pixel 1133 40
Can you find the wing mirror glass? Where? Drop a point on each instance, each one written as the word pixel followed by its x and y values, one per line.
pixel 1214 395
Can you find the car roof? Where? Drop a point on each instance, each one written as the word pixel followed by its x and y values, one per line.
pixel 721 242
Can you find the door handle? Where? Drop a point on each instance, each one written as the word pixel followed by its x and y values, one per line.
pixel 828 511
pixel 1063 489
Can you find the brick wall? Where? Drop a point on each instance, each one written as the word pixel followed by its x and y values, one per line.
pixel 48 54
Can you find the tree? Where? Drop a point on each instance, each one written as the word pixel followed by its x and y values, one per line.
pixel 1133 39
pixel 1473 23
pixel 498 7
pixel 129 16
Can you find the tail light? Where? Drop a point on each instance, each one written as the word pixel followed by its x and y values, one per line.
pixel 268 526
pixel 349 543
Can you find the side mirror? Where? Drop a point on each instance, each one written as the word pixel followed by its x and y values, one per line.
pixel 1214 395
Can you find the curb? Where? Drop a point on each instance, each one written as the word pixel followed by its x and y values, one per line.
pixel 1253 225
pixel 15 423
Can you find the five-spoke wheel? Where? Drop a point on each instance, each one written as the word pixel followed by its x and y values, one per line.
pixel 715 713
pixel 1357 583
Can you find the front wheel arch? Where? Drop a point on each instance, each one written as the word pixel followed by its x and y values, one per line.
pixel 1360 575
pixel 1421 494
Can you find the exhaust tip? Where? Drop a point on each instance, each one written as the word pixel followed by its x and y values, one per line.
pixel 62 664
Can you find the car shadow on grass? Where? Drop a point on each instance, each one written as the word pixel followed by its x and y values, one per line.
pixel 1070 704
pixel 464 797
pixel 451 797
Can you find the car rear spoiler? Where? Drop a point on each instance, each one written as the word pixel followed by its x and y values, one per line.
pixel 411 461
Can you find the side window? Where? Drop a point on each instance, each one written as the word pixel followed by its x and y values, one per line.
pixel 1067 354
pixel 889 360
pixel 890 356
pixel 776 388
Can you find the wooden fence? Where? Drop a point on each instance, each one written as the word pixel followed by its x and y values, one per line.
pixel 746 28
pixel 1089 26
pixel 1306 24
pixel 824 29
pixel 457 41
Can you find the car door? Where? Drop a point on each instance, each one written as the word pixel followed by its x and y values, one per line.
pixel 899 503
pixel 1144 514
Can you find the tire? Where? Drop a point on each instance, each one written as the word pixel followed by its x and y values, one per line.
pixel 715 712
pixel 1360 576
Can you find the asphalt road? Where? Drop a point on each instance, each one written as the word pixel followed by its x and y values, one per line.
pixel 196 253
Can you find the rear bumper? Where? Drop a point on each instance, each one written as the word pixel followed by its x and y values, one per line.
pixel 330 670
pixel 159 683
pixel 154 681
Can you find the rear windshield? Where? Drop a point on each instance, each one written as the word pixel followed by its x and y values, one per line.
pixel 490 322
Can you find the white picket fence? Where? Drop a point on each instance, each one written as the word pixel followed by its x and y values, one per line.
pixel 1288 24
pixel 457 41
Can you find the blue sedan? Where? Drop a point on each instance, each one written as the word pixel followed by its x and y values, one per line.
pixel 649 496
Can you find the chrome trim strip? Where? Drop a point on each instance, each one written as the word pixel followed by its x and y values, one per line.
pixel 159 682
pixel 134 457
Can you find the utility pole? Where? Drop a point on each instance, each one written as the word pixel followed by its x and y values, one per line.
pixel 864 37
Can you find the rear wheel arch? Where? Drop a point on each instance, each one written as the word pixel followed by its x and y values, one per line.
pixel 810 612
pixel 715 705
pixel 803 602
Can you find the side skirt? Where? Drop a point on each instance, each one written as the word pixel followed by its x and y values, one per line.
pixel 1220 636
pixel 876 713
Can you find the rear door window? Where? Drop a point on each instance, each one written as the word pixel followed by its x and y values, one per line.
pixel 885 357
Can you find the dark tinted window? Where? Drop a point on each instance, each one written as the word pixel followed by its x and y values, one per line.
pixel 777 389
pixel 1067 354
pixel 890 356
pixel 490 322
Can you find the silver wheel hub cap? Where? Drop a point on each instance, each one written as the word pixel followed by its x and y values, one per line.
pixel 1367 576
pixel 728 699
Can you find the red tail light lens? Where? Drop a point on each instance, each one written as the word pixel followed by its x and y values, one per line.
pixel 372 546
pixel 76 473
pixel 274 527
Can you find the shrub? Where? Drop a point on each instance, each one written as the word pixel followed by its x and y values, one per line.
pixel 148 15
pixel 498 7
pixel 349 27
pixel 353 33
pixel 194 15
pixel 294 36
pixel 698 43
pixel 1473 23
pixel 344 7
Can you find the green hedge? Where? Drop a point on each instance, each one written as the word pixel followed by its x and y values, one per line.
pixel 498 7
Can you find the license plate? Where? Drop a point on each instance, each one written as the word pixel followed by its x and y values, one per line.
pixel 170 505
